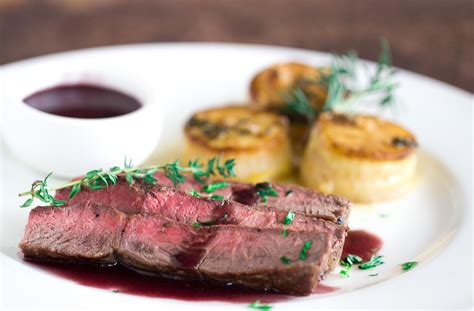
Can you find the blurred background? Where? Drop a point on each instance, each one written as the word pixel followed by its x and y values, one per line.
pixel 432 37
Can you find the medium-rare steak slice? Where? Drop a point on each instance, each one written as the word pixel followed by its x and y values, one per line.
pixel 84 232
pixel 228 254
pixel 179 206
pixel 88 232
pixel 290 197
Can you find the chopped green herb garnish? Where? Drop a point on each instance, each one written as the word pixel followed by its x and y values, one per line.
pixel 409 265
pixel 347 263
pixel 195 193
pixel 285 260
pixel 217 197
pixel 374 262
pixel 285 233
pixel 350 260
pixel 265 190
pixel 214 186
pixel 196 224
pixel 259 306
pixel 344 272
pixel 100 179
pixel 304 250
pixel 288 218
pixel 373 274
pixel 115 291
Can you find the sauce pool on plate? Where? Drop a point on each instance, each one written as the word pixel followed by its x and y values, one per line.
pixel 83 101
pixel 361 243
pixel 119 279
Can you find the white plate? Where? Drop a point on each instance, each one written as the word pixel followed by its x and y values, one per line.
pixel 432 224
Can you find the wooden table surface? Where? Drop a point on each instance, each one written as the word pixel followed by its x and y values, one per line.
pixel 432 37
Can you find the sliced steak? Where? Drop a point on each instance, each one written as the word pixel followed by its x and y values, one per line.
pixel 179 206
pixel 290 197
pixel 86 232
pixel 228 254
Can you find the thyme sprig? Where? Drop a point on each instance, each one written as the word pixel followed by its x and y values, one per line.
pixel 100 179
pixel 340 81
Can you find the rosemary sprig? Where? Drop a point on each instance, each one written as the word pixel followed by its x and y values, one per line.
pixel 340 81
pixel 100 179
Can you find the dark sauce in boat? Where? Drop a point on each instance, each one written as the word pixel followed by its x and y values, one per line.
pixel 83 101
pixel 120 279
pixel 361 243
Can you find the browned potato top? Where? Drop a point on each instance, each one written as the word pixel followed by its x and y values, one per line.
pixel 236 128
pixel 268 87
pixel 365 136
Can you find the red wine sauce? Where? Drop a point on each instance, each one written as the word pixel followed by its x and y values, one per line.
pixel 83 101
pixel 361 243
pixel 324 289
pixel 123 280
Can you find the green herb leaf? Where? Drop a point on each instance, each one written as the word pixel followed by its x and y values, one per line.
pixel 373 274
pixel 214 186
pixel 298 103
pixel 406 266
pixel 217 197
pixel 350 260
pixel 265 190
pixel 344 273
pixel 115 291
pixel 285 233
pixel 374 262
pixel 304 250
pixel 288 218
pixel 285 260
pixel 74 190
pixel 27 202
pixel 347 263
pixel 195 193
pixel 258 306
